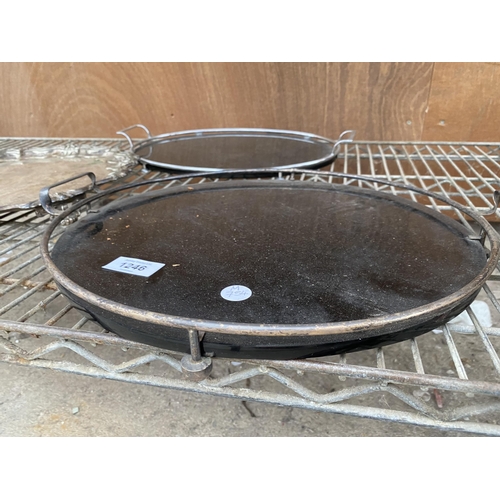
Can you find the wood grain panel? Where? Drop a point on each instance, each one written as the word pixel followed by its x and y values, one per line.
pixel 382 101
pixel 378 100
pixel 464 103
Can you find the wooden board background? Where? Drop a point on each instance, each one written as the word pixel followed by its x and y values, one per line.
pixel 464 103
pixel 381 101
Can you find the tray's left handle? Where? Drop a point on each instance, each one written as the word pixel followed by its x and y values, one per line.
pixel 46 201
pixel 345 137
pixel 129 139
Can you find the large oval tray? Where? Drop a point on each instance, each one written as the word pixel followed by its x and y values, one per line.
pixel 212 150
pixel 320 268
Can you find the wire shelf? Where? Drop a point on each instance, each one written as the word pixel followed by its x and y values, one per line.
pixel 448 379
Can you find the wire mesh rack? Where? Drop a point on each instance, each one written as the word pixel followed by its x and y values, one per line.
pixel 447 379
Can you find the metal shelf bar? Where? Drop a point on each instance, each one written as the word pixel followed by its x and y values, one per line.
pixel 9 260
pixel 486 341
pixel 470 330
pixel 459 189
pixel 341 368
pixel 38 232
pixel 440 178
pixel 52 321
pixel 345 165
pixel 19 267
pixel 443 191
pixel 80 323
pixel 377 187
pixel 485 180
pixel 14 236
pixel 480 161
pixel 18 216
pixel 404 177
pixel 380 358
pixel 454 353
pixel 272 398
pixel 419 366
pixel 18 282
pixel 386 170
pixel 358 164
pixel 493 299
pixel 23 297
pixel 421 182
pixel 39 306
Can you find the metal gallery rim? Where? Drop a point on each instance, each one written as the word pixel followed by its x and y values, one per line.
pixel 383 323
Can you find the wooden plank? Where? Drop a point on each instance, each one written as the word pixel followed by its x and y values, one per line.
pixel 379 100
pixel 464 103
pixel 382 101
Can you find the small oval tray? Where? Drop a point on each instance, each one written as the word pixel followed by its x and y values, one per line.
pixel 212 150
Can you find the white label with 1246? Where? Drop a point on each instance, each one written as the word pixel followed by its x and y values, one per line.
pixel 138 267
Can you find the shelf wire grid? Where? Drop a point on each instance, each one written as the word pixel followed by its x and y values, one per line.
pixel 447 379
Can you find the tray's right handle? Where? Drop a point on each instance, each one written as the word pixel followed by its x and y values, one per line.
pixel 137 125
pixel 345 137
pixel 46 201
pixel 493 211
pixel 496 202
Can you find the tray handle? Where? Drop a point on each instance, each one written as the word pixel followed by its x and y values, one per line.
pixel 137 125
pixel 496 202
pixel 345 137
pixel 46 201
pixel 481 237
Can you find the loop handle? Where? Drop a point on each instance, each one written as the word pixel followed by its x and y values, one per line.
pixel 137 125
pixel 496 202
pixel 493 211
pixel 46 201
pixel 345 137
